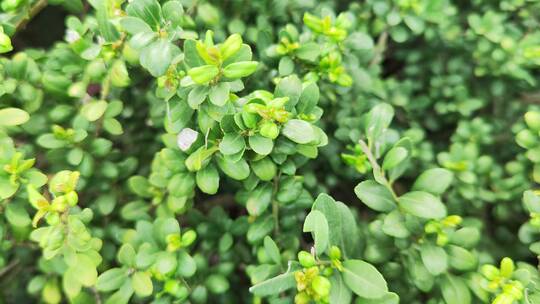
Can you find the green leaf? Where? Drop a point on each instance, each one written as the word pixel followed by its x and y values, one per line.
pixel 341 223
pixel 378 119
pixel 123 295
pixel 434 181
pixel 291 87
pixel 394 225
pixel 260 144
pixel 126 255
pixel 173 12
pixel 13 117
pixel 147 10
pixel 375 196
pixel 275 285
pixel 217 283
pixel 186 264
pixel 140 186
pixel 208 179
pixel 455 290
pixel 265 169
pixel 308 99
pixel 166 263
pixel 197 96
pixel 309 51
pixel 434 258
pixel 7 188
pixel 85 269
pixel 461 259
pixel 259 199
pixel 422 204
pixel 240 69
pixel 299 131
pixel 237 170
pixel 113 126
pixel 389 298
pixel 203 74
pixel 157 57
pixel 272 250
pixel 17 215
pixel 260 228
pixel 134 25
pixel 219 94
pixel 364 279
pixel 232 143
pixel 93 110
pixel 339 292
pixel 142 284
pixel 111 279
pixel 317 224
pixel 394 157
pixel 286 66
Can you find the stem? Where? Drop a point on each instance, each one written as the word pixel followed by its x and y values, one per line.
pixel 275 204
pixel 34 10
pixel 376 167
pixel 379 48
pixel 96 295
pixel 8 267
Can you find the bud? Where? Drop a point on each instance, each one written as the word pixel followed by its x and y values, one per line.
pixel 507 267
pixel 503 298
pixel 119 74
pixel 72 198
pixel 203 74
pixel 188 237
pixel 306 259
pixel 59 204
pixel 302 298
pixel 278 102
pixel 269 130
pixel 281 116
pixel 321 286
pixel 490 272
pixel 253 107
pixel 5 43
pixel 442 239
pixel 452 220
pixel 171 287
pixel 335 253
pixel 240 69
pixel 231 46
pixel 130 54
pixel 515 289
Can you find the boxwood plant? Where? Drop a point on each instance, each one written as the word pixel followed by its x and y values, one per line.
pixel 269 151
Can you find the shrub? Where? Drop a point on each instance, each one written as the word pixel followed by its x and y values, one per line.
pixel 183 151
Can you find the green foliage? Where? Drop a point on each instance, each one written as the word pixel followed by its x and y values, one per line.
pixel 177 151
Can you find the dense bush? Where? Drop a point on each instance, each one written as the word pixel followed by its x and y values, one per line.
pixel 196 151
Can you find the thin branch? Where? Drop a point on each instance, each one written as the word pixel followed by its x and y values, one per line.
pixel 34 10
pixel 9 266
pixel 275 204
pixel 376 167
pixel 379 48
